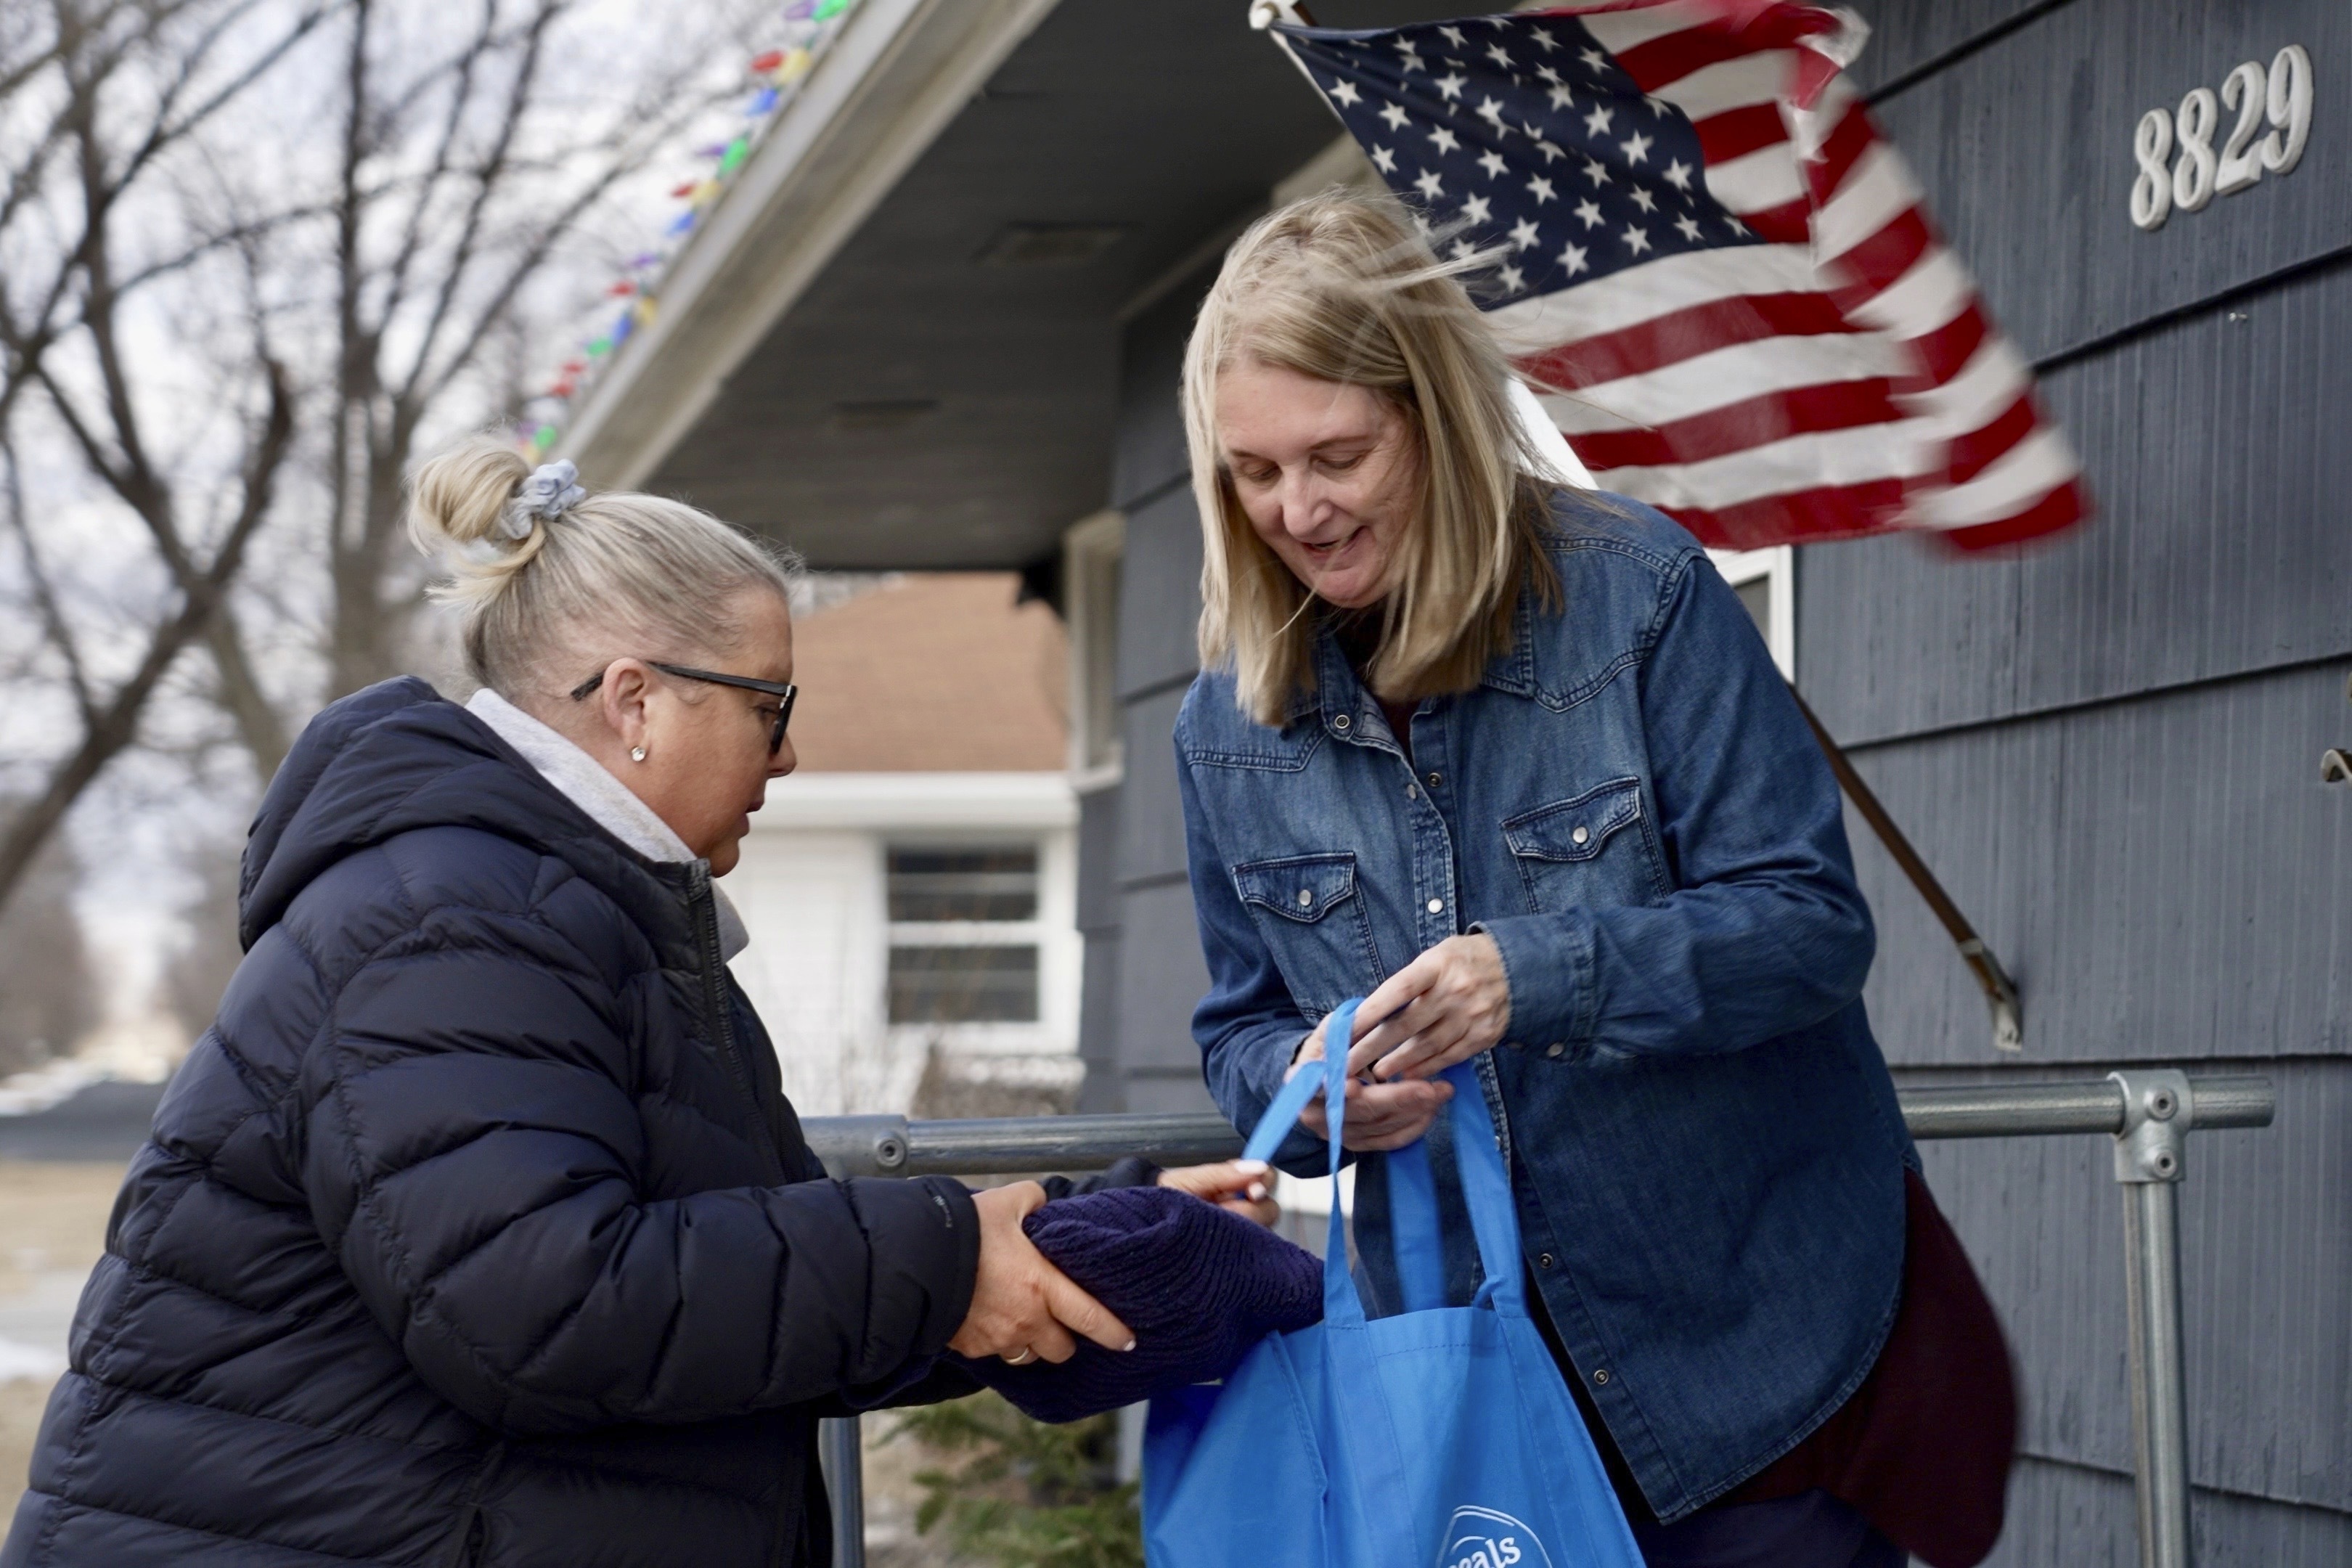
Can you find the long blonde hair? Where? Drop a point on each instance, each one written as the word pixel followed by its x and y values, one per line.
pixel 547 599
pixel 1341 288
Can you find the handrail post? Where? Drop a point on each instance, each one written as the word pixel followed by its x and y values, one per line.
pixel 841 1451
pixel 2150 1160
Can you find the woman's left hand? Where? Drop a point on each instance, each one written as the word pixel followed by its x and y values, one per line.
pixel 1244 1186
pixel 1444 1007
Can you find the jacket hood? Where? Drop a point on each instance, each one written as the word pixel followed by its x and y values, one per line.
pixel 399 756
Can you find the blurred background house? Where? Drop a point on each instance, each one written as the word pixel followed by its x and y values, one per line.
pixel 911 887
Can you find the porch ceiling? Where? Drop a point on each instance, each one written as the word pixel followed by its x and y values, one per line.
pixel 926 402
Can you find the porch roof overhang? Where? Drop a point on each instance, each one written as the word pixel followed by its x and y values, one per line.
pixel 896 342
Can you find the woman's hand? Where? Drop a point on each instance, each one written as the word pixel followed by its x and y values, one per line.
pixel 1023 1308
pixel 1244 1186
pixel 1379 1116
pixel 1444 1007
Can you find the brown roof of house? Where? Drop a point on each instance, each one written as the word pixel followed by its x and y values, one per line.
pixel 935 672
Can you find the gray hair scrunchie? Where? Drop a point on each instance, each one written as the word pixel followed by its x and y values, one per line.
pixel 547 494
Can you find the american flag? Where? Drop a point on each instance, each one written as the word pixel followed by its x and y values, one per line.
pixel 1719 275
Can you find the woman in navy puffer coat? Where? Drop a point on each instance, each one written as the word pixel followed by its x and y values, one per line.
pixel 478 1230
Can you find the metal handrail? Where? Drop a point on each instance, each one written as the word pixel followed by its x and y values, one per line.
pixel 2148 1111
pixel 898 1146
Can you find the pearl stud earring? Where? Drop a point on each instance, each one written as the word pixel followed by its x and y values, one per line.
pixel 636 754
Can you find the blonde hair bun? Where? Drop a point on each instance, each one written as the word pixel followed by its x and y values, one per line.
pixel 554 582
pixel 461 497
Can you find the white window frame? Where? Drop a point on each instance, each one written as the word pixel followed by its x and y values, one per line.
pixel 1092 551
pixel 1051 931
pixel 1777 566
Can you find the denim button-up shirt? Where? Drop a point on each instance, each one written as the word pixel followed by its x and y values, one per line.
pixel 1705 1145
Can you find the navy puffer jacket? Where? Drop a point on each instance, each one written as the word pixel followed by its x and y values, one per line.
pixel 478 1229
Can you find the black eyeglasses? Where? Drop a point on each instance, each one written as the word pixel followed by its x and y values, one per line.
pixel 783 691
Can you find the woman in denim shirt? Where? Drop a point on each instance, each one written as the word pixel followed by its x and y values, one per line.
pixel 1511 759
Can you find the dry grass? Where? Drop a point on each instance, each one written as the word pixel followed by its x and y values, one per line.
pixel 53 1216
pixel 52 1222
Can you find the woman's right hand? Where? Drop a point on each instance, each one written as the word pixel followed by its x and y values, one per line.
pixel 1023 1308
pixel 1381 1116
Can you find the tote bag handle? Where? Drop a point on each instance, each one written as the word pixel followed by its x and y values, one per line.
pixel 1486 1189
pixel 1340 1302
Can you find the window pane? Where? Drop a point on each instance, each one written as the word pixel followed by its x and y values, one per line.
pixel 1101 654
pixel 964 884
pixel 963 986
pixel 1756 595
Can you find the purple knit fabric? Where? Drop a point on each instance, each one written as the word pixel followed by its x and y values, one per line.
pixel 1198 1285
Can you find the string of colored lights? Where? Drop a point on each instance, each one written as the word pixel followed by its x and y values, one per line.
pixel 810 27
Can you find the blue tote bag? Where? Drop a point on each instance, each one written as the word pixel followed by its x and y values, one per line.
pixel 1440 1437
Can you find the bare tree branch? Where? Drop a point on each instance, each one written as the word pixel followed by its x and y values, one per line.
pixel 517 277
pixel 16 73
pixel 461 97
pixel 168 128
pixel 237 235
pixel 485 185
pixel 263 730
pixel 117 724
pixel 626 152
pixel 44 598
pixel 133 473
pixel 356 345
pixel 423 232
pixel 25 182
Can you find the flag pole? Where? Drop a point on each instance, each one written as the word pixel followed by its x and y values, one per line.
pixel 1265 13
pixel 2001 993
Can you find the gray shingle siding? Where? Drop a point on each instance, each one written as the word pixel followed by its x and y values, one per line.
pixel 2108 748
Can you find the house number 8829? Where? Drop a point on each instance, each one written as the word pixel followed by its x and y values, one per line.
pixel 2201 171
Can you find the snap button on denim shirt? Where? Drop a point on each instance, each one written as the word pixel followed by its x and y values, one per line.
pixel 1705 1148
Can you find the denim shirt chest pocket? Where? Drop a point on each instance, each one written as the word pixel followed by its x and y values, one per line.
pixel 1313 920
pixel 1589 851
